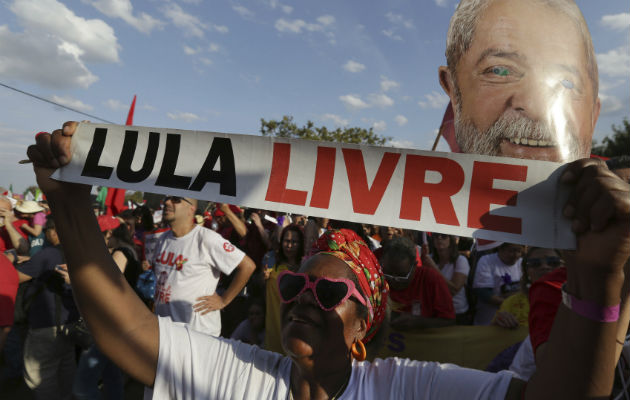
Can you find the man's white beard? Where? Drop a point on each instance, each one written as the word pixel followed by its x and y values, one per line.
pixel 472 140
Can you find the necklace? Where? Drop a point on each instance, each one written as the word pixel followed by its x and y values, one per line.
pixel 339 391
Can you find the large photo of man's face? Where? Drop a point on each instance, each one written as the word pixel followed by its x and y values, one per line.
pixel 522 79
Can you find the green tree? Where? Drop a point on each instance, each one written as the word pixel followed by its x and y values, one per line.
pixel 618 145
pixel 136 197
pixel 286 128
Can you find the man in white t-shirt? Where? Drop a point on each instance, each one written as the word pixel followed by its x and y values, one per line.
pixel 188 261
pixel 497 277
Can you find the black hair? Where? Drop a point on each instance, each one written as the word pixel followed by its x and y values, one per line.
pixel 525 282
pixel 399 248
pixel 50 223
pixel 300 252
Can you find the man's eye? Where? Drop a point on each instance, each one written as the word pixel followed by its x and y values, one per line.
pixel 500 71
pixel 567 84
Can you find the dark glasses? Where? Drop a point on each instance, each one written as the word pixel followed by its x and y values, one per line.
pixel 329 293
pixel 176 200
pixel 553 262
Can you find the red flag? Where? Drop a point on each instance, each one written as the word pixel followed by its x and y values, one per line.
pixel 115 200
pixel 447 129
pixel 131 110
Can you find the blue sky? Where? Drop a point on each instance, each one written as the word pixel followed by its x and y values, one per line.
pixel 223 65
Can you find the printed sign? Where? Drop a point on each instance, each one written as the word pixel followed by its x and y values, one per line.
pixel 507 199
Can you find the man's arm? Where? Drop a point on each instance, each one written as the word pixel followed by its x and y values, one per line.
pixel 579 358
pixel 123 327
pixel 19 243
pixel 239 226
pixel 213 302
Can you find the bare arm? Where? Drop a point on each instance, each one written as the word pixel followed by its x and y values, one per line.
pixel 124 329
pixel 261 229
pixel 214 302
pixel 120 260
pixel 239 226
pixel 19 243
pixel 578 360
pixel 33 230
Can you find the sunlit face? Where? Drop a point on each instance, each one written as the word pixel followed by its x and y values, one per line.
pixel 177 211
pixel 312 335
pixel 524 90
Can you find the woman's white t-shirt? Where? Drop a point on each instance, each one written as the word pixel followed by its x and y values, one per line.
pixel 193 365
pixel 460 303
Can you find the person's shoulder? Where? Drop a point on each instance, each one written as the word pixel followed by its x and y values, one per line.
pixel 488 260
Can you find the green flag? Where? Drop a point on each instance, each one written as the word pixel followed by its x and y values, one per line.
pixel 101 197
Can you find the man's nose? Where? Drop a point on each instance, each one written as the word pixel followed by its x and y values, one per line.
pixel 531 98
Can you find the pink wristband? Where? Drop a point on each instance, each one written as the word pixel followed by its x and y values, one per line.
pixel 588 309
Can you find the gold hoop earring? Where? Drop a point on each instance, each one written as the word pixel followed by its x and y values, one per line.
pixel 359 354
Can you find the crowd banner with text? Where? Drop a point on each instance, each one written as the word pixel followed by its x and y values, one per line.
pixel 495 198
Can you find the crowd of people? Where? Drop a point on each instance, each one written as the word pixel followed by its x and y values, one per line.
pixel 307 302
pixel 219 271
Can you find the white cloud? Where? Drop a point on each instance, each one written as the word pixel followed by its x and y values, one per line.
pixel 243 11
pixel 189 51
pixel 296 26
pixel 380 100
pixel 353 102
pixel 403 144
pixel 390 34
pixel 24 54
pixel 90 39
pixel 434 100
pixel 615 62
pixel 353 66
pixel 148 107
pixel 183 116
pixel 71 102
pixel 610 103
pixel 220 28
pixel 205 61
pixel 123 9
pixel 190 24
pixel 401 120
pixel 286 9
pixel 398 19
pixel 326 20
pixel 441 3
pixel 379 126
pixel 115 105
pixel 388 84
pixel 336 119
pixel 616 22
pixel 324 24
pixel 213 47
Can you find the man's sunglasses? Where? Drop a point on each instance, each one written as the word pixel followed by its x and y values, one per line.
pixel 553 262
pixel 329 293
pixel 176 200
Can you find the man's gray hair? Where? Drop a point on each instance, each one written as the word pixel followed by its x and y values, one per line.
pixel 464 21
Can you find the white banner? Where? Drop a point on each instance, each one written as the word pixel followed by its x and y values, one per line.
pixel 495 198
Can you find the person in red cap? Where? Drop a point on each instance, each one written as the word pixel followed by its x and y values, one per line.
pixel 188 261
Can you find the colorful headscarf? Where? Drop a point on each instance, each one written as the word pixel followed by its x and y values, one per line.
pixel 346 245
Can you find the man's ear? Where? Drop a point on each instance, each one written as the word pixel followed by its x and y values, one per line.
pixel 597 107
pixel 447 82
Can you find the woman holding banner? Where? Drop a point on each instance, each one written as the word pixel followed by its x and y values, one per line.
pixel 335 305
